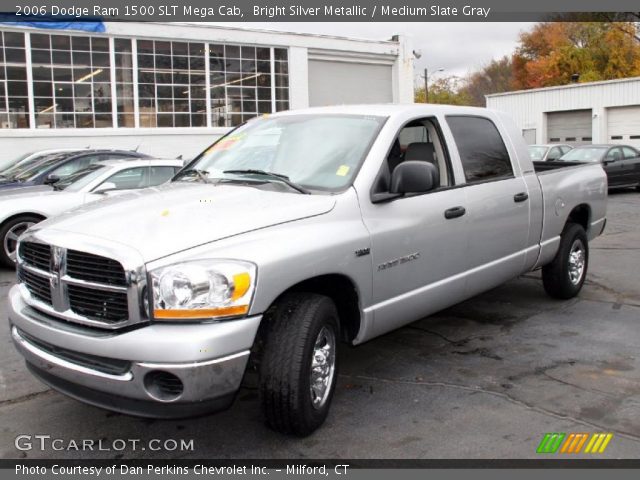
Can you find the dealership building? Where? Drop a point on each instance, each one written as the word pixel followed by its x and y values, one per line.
pixel 171 89
pixel 577 114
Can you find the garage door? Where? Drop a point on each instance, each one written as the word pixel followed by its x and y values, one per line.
pixel 341 83
pixel 572 127
pixel 623 125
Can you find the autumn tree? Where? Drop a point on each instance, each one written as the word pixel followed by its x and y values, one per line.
pixel 552 53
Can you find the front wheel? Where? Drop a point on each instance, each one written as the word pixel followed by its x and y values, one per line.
pixel 564 276
pixel 299 364
pixel 9 233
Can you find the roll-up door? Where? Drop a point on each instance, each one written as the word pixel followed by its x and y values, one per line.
pixel 572 127
pixel 341 83
pixel 623 125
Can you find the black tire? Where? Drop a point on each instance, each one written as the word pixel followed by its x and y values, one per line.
pixel 560 280
pixel 290 336
pixel 7 244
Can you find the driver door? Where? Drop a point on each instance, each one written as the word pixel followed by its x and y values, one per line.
pixel 417 252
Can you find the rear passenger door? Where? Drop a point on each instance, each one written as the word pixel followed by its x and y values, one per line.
pixel 631 165
pixel 497 203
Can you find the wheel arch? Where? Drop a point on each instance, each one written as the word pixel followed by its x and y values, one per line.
pixel 344 293
pixel 581 215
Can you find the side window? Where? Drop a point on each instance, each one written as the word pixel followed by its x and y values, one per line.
pixel 629 152
pixel 554 154
pixel 128 179
pixel 482 151
pixel 158 175
pixel 613 155
pixel 566 149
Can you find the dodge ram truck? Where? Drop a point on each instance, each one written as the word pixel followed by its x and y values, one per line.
pixel 291 235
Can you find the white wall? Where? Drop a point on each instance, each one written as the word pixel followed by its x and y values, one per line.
pixel 529 107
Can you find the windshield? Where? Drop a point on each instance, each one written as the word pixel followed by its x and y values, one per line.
pixel 76 181
pixel 537 153
pixel 317 152
pixel 584 154
pixel 24 172
pixel 6 164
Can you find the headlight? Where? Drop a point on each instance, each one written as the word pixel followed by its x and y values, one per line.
pixel 203 289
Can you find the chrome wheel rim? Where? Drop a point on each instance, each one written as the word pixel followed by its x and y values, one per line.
pixel 11 238
pixel 323 366
pixel 577 262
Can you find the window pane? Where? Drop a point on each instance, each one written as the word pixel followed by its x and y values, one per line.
pixel 60 42
pixel 482 151
pixel 99 44
pixel 13 39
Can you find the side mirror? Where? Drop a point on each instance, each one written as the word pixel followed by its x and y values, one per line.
pixel 414 176
pixel 105 187
pixel 51 179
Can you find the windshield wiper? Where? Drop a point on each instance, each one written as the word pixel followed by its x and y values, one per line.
pixel 277 176
pixel 201 174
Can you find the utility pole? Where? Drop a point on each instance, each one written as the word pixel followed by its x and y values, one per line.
pixel 426 83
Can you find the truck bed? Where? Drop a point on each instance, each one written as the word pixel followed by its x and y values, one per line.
pixel 553 165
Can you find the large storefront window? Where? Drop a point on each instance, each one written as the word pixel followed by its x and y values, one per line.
pixel 97 82
pixel 71 81
pixel 171 84
pixel 14 99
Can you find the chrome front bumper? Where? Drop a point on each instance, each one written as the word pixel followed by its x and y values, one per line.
pixel 209 359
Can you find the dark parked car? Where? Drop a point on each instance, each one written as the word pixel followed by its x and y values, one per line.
pixel 52 168
pixel 621 162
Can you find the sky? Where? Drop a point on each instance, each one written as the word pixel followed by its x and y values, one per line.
pixel 457 47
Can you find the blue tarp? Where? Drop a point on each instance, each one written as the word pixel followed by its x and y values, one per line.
pixel 64 24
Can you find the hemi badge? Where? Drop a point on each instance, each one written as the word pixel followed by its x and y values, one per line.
pixel 362 252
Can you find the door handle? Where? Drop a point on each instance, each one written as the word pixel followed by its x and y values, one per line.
pixel 454 212
pixel 520 197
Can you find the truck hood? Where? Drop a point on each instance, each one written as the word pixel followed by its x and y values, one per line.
pixel 174 217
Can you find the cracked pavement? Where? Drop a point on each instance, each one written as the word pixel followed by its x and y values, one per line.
pixel 484 379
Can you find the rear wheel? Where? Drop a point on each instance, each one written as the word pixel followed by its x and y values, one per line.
pixel 299 364
pixel 564 276
pixel 9 233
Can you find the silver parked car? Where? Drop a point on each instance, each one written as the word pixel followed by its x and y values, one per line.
pixel 548 153
pixel 22 208
pixel 291 234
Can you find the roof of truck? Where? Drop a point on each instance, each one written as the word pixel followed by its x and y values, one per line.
pixel 386 109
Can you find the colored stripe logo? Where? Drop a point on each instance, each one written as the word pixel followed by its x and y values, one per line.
pixel 574 443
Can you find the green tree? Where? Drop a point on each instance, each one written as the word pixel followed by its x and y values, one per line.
pixel 444 90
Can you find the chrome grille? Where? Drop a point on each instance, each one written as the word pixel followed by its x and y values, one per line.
pixel 38 286
pixel 96 304
pixel 94 268
pixel 36 254
pixel 81 287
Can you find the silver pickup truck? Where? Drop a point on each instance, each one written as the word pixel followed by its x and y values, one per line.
pixel 292 234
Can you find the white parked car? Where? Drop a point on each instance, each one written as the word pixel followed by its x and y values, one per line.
pixel 20 210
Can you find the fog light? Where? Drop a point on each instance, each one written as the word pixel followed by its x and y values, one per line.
pixel 163 386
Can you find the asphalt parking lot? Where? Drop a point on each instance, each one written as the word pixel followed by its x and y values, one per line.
pixel 484 379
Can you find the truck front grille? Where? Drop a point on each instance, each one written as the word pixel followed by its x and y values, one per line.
pixel 38 286
pixel 94 268
pixel 80 287
pixel 99 305
pixel 36 254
